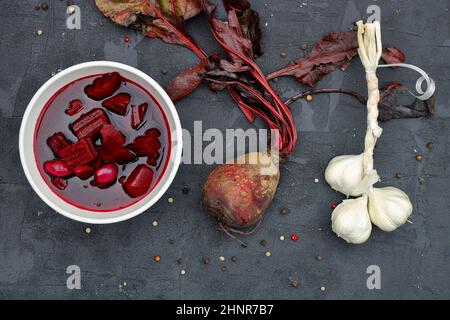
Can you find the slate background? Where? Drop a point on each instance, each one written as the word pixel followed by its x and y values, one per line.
pixel 36 244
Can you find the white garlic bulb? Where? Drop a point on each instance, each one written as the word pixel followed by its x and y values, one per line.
pixel 350 220
pixel 389 208
pixel 345 173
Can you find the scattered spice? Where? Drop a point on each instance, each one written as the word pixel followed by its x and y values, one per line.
pixel 71 10
pixel 88 230
pixel 322 289
pixel 170 199
pixel 234 258
pixel 183 272
pixel 171 241
pixel 303 46
pixel 398 175
pixel 164 71
pixel 283 55
pixel 39 32
pixel 185 190
pixel 309 98
pixel 316 180
pixel 284 211
pixel 282 238
pixel 263 243
pixel 419 157
pixel 155 223
pixel 222 258
pixel 157 258
pixel 44 6
pixel 421 180
pixel 126 39
pixel 319 258
pixel 205 260
pixel 294 237
pixel 333 205
pixel 37 7
pixel 429 145
pixel 268 254
pixel 224 269
pixel 295 283
pixel 179 261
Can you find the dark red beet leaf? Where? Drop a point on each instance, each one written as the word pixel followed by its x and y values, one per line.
pixel 74 107
pixel 104 86
pixel 79 153
pixel 88 125
pixel 84 172
pixel 59 183
pixel 118 104
pixel 334 51
pixel 139 181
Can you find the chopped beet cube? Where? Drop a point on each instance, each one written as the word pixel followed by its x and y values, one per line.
pixel 138 115
pixel 147 145
pixel 88 125
pixel 74 107
pixel 114 152
pixel 106 175
pixel 84 172
pixel 111 134
pixel 104 86
pixel 79 153
pixel 58 168
pixel 139 181
pixel 59 183
pixel 58 141
pixel 118 104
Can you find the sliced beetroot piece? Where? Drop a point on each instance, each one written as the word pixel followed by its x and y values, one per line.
pixel 74 107
pixel 114 152
pixel 110 134
pixel 118 104
pixel 79 153
pixel 147 145
pixel 88 125
pixel 139 181
pixel 58 168
pixel 58 141
pixel 138 115
pixel 104 86
pixel 59 183
pixel 84 172
pixel 106 175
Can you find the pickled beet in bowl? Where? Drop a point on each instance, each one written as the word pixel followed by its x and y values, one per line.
pixel 100 142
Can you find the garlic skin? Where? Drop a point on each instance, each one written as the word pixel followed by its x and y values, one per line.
pixel 345 173
pixel 389 208
pixel 351 222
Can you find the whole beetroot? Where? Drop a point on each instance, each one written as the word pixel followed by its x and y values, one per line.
pixel 238 193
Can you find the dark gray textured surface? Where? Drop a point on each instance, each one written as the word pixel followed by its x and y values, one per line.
pixel 36 244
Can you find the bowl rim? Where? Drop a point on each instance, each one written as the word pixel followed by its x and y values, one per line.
pixel 176 150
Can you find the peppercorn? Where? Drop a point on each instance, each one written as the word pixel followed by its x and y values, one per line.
pixel 419 157
pixel 157 258
pixel 171 241
pixel 88 230
pixel 224 269
pixel 284 211
pixel 234 258
pixel 170 200
pixel 263 243
pixel 309 98
pixel 44 6
pixel 205 260
pixel 268 253
pixel 303 46
pixel 429 145
pixel 283 55
pixel 295 283
pixel 185 190
pixel 318 258
pixel 398 175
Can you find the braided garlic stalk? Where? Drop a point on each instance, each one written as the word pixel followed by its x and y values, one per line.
pixel 388 208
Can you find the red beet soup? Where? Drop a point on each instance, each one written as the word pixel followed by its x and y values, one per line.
pixel 102 142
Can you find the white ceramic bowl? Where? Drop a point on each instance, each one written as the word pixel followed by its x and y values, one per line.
pixel 27 130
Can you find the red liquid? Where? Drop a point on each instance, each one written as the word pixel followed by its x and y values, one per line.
pixel 53 118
